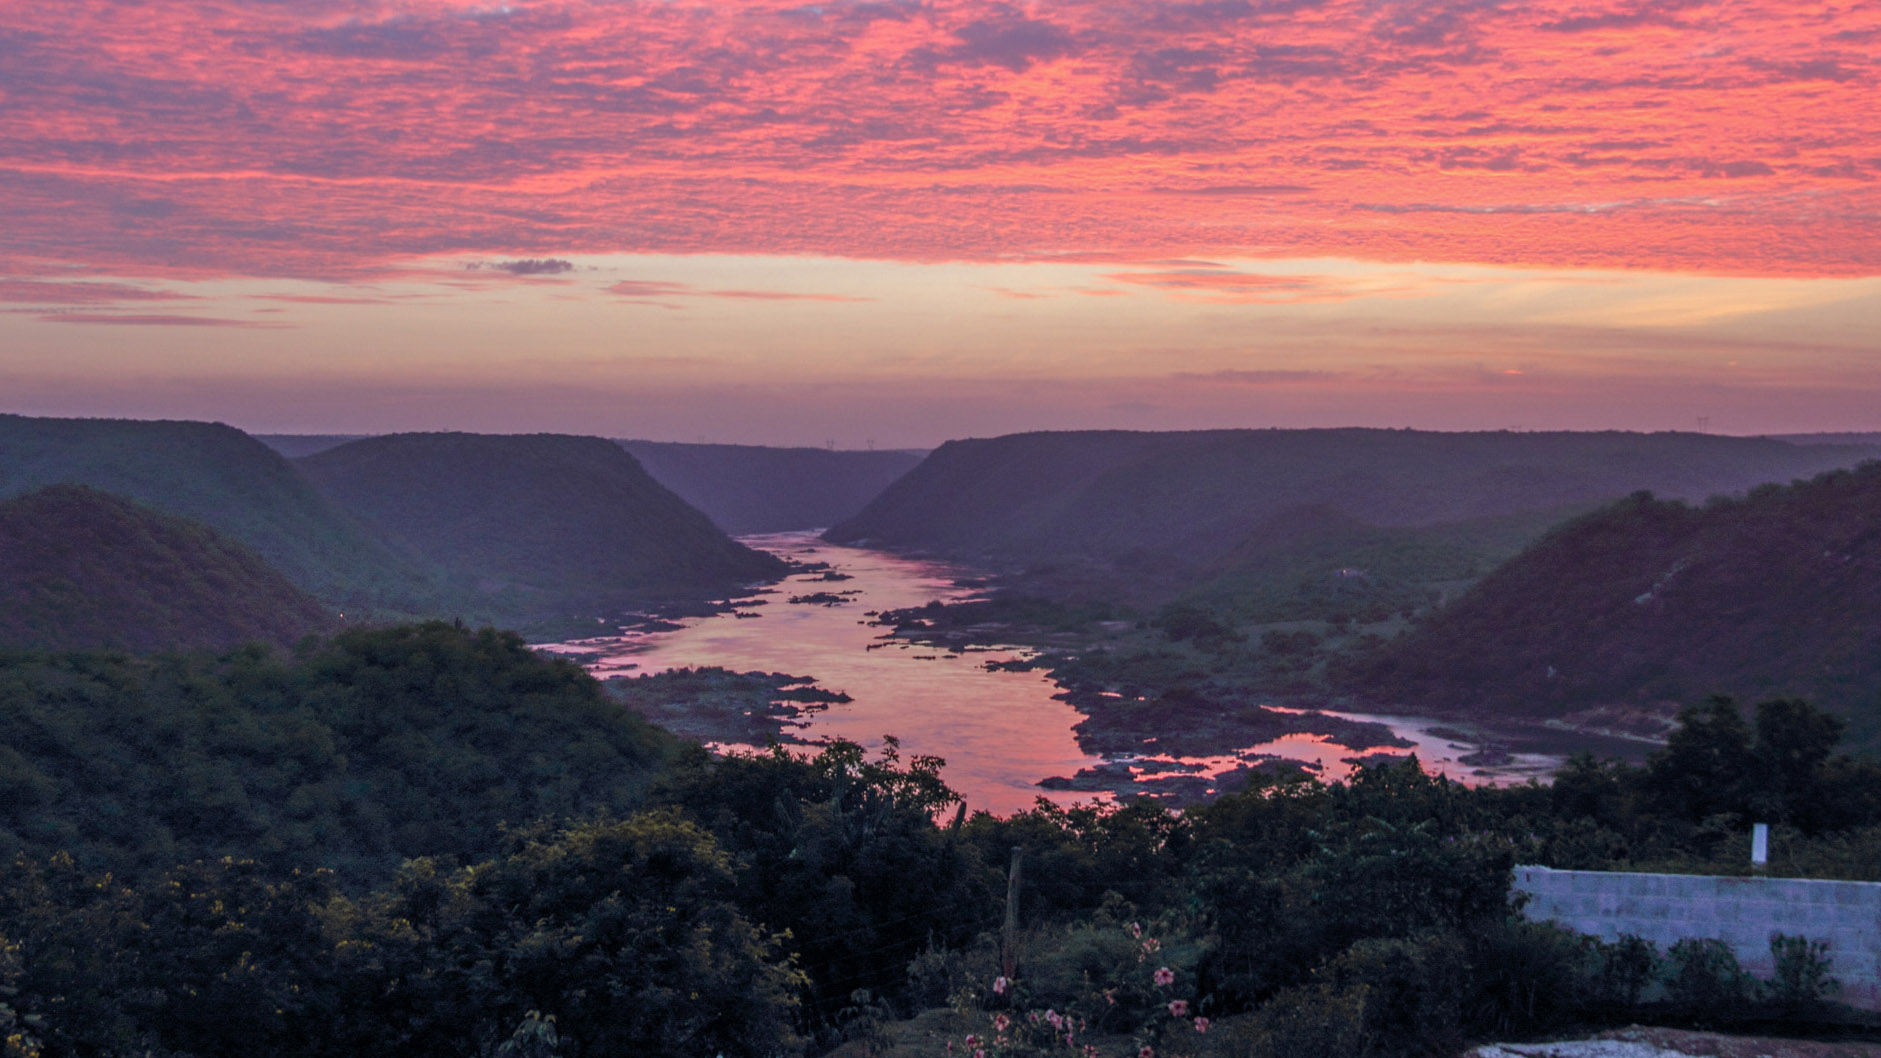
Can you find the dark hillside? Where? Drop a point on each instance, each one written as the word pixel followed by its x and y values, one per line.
pixel 82 569
pixel 756 489
pixel 535 522
pixel 373 747
pixel 1198 495
pixel 223 478
pixel 1648 602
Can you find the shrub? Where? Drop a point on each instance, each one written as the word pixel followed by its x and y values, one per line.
pixel 1802 980
pixel 1707 984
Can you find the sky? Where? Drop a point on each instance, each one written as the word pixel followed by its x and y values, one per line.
pixel 896 223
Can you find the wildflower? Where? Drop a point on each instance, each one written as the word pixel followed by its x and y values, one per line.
pixel 1110 996
pixel 1000 984
pixel 1001 1023
pixel 1090 1050
pixel 979 1054
pixel 972 1040
pixel 1054 1019
pixel 1032 1017
pixel 1164 976
pixel 1152 945
pixel 1069 1041
pixel 1136 930
pixel 1146 1052
pixel 1178 1008
pixel 1201 1024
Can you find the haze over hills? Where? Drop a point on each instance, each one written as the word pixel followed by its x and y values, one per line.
pixel 82 569
pixel 223 478
pixel 296 445
pixel 535 523
pixel 758 489
pixel 1199 495
pixel 1648 602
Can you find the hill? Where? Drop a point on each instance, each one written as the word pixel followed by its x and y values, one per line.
pixel 536 523
pixel 756 489
pixel 219 476
pixel 375 746
pixel 83 569
pixel 1649 602
pixel 1170 509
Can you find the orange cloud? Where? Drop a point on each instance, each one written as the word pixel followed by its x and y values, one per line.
pixel 331 139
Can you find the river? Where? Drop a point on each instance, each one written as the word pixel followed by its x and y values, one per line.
pixel 1000 731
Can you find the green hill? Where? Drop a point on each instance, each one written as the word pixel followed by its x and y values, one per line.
pixel 1647 603
pixel 536 523
pixel 756 489
pixel 1222 511
pixel 219 476
pixel 81 569
pixel 373 747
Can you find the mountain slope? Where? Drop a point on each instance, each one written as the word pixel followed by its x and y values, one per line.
pixel 1648 602
pixel 81 569
pixel 535 521
pixel 1199 494
pixel 223 478
pixel 755 489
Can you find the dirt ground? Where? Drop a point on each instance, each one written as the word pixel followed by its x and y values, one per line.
pixel 1640 1042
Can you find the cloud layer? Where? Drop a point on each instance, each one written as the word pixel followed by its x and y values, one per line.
pixel 332 138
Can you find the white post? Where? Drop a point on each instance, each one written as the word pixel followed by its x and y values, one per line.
pixel 1760 843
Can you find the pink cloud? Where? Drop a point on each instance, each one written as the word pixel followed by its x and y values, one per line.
pixel 182 138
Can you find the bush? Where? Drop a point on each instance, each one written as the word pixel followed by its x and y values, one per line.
pixel 1707 984
pixel 1802 980
pixel 1313 1021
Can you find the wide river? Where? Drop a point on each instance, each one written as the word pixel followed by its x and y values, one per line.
pixel 999 731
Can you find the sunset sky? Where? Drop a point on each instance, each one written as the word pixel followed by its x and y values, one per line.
pixel 896 223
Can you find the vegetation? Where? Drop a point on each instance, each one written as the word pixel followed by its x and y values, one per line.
pixel 535 525
pixel 1143 505
pixel 227 480
pixel 306 856
pixel 755 489
pixel 83 569
pixel 371 748
pixel 1648 602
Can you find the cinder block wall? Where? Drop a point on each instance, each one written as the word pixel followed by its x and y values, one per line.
pixel 1742 912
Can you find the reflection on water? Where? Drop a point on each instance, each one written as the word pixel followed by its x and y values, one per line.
pixel 1000 732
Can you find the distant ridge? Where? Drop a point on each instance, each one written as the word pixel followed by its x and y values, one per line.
pixel 758 489
pixel 535 522
pixel 1198 494
pixel 223 478
pixel 1648 602
pixel 82 569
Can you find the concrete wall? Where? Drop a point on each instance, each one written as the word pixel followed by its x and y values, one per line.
pixel 1742 912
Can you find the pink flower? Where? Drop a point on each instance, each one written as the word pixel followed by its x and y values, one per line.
pixel 1201 1024
pixel 972 1040
pixel 1090 1050
pixel 1110 996
pixel 1069 1042
pixel 1001 1023
pixel 1136 930
pixel 1146 1052
pixel 1178 1008
pixel 1152 945
pixel 999 986
pixel 1164 976
pixel 1054 1019
pixel 979 1054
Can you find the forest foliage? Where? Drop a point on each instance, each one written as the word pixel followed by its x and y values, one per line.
pixel 1649 601
pixel 432 841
